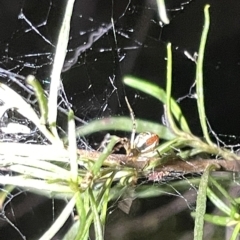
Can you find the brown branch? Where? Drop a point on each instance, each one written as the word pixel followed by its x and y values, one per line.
pixel 56 153
pixel 173 165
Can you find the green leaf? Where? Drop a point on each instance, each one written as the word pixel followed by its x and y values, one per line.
pixel 199 76
pixel 124 124
pixel 219 220
pixel 96 218
pixel 57 225
pixel 14 100
pixel 170 120
pixel 218 202
pixel 189 153
pixel 105 198
pixel 72 147
pixel 98 164
pixel 201 204
pixel 235 234
pixel 160 94
pixel 42 99
pixel 59 57
pixel 80 198
pixel 224 192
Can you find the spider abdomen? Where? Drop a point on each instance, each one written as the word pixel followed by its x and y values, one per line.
pixel 146 142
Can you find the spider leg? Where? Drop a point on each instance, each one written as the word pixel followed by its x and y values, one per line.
pixel 133 122
pixel 122 143
pixel 104 143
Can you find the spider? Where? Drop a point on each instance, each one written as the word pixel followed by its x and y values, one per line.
pixel 141 146
pixel 144 143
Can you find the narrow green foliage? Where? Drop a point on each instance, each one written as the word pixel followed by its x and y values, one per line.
pixel 59 221
pixel 42 100
pixel 98 164
pixel 14 100
pixel 61 50
pixel 235 234
pixel 157 92
pixel 72 148
pixel 105 198
pixel 232 211
pixel 81 209
pixel 199 76
pixel 123 124
pixel 223 191
pixel 189 153
pixel 201 204
pixel 218 202
pixel 219 220
pixel 170 119
pixel 96 218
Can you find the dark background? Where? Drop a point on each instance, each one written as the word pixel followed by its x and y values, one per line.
pixel 136 46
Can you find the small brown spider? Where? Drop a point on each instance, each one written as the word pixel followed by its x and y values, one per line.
pixel 143 145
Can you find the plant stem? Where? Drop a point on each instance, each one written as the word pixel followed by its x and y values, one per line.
pixel 59 58
pixel 199 76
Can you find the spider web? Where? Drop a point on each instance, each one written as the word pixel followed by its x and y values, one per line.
pixel 108 40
